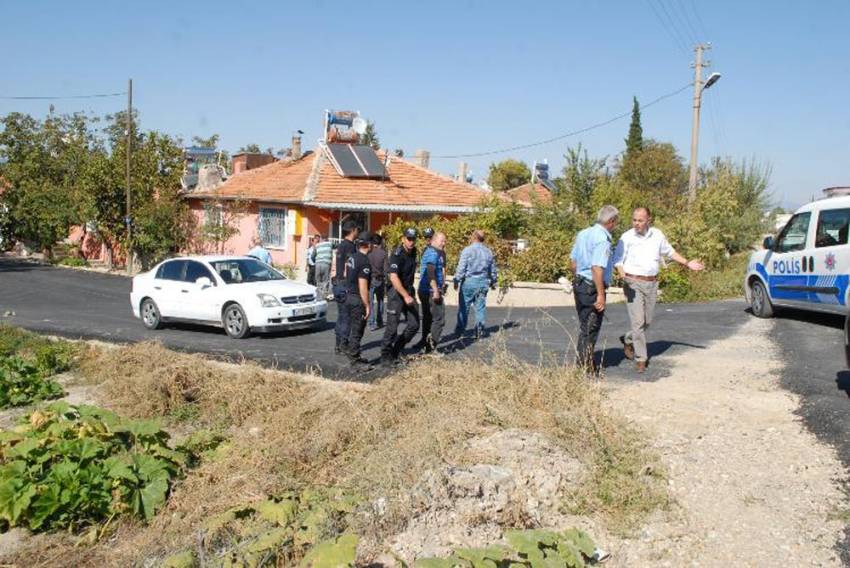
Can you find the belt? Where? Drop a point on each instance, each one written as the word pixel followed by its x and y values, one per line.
pixel 644 278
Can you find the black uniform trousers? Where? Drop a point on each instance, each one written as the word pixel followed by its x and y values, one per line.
pixel 433 317
pixel 343 323
pixel 355 315
pixel 393 342
pixel 590 321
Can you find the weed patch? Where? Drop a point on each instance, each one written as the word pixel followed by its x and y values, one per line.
pixel 48 356
pixel 21 383
pixel 70 467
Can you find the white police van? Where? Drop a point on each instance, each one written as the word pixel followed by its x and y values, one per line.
pixel 807 265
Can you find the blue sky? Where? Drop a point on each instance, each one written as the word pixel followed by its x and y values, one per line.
pixel 456 77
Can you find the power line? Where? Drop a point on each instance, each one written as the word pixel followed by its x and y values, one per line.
pixel 95 96
pixel 678 9
pixel 568 134
pixel 667 28
pixel 699 19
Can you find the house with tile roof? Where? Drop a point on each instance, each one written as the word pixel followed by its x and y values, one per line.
pixel 531 194
pixel 285 201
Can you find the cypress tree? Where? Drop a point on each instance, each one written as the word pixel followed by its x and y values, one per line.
pixel 634 143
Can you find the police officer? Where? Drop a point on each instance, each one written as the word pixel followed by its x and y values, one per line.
pixel 358 278
pixel 345 249
pixel 401 298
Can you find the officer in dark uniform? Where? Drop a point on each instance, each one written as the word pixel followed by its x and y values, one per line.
pixel 344 250
pixel 401 298
pixel 358 278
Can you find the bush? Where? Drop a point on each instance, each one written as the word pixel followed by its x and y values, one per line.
pixel 22 383
pixel 73 261
pixel 69 467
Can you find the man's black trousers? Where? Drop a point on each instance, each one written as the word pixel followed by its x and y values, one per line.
pixel 590 321
pixel 433 317
pixel 356 317
pixel 393 342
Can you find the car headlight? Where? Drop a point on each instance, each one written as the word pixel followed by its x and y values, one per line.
pixel 268 301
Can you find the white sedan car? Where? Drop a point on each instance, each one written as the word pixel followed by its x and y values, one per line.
pixel 240 294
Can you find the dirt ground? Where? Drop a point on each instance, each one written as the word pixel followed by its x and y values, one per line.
pixel 753 487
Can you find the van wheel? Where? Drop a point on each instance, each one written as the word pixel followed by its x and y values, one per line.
pixel 234 321
pixel 151 317
pixel 761 301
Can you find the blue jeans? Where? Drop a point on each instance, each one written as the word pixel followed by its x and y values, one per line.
pixel 376 304
pixel 473 292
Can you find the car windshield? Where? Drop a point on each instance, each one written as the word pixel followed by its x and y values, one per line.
pixel 242 270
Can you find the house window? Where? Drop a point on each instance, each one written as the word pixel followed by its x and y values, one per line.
pixel 272 227
pixel 212 215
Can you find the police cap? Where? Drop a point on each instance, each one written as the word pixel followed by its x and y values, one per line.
pixel 410 233
pixel 428 232
pixel 363 238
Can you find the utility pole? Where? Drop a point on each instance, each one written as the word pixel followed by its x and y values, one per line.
pixel 128 219
pixel 698 88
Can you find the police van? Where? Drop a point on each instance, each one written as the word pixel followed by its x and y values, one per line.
pixel 807 265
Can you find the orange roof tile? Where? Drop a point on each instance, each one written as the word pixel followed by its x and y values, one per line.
pixel 279 181
pixel 527 195
pixel 314 180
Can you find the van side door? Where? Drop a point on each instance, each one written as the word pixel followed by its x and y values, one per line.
pixel 831 256
pixel 787 265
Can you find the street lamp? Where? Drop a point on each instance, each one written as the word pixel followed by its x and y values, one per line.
pixel 699 87
pixel 712 79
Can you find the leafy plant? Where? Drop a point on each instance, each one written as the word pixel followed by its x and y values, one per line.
pixel 571 548
pixel 307 528
pixel 22 383
pixel 71 466
pixel 48 356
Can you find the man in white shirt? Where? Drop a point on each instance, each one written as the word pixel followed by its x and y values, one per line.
pixel 637 259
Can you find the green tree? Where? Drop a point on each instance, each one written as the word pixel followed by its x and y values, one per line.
pixel 370 137
pixel 508 174
pixel 581 176
pixel 40 162
pixel 657 174
pixel 634 143
pixel 251 149
pixel 210 142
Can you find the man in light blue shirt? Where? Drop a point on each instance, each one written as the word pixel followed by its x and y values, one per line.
pixel 476 272
pixel 591 262
pixel 261 254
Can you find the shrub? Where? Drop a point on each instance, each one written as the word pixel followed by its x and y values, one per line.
pixel 73 261
pixel 71 466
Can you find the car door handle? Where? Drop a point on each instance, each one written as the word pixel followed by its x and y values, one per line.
pixel 157 287
pixel 185 291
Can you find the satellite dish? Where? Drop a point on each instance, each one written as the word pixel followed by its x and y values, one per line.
pixel 359 125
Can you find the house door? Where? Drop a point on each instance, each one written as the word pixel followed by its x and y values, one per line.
pixel 359 217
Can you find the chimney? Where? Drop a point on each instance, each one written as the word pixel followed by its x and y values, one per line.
pixel 422 158
pixel 461 171
pixel 239 163
pixel 296 146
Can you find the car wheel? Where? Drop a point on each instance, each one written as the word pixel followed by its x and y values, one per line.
pixel 761 301
pixel 235 322
pixel 151 317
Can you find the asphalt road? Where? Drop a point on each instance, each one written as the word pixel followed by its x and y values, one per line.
pixel 82 304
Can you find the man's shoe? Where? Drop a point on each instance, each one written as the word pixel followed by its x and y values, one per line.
pixel 628 348
pixel 641 366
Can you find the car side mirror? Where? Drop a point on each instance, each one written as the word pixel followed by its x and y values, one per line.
pixel 203 282
pixel 768 243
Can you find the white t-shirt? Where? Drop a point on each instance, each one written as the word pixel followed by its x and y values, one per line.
pixel 641 254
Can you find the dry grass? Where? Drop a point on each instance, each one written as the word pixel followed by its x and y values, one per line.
pixel 377 441
pixel 147 380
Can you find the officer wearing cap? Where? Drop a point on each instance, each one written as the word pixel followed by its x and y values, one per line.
pixel 401 298
pixel 358 276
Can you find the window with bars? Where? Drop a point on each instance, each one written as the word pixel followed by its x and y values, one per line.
pixel 272 227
